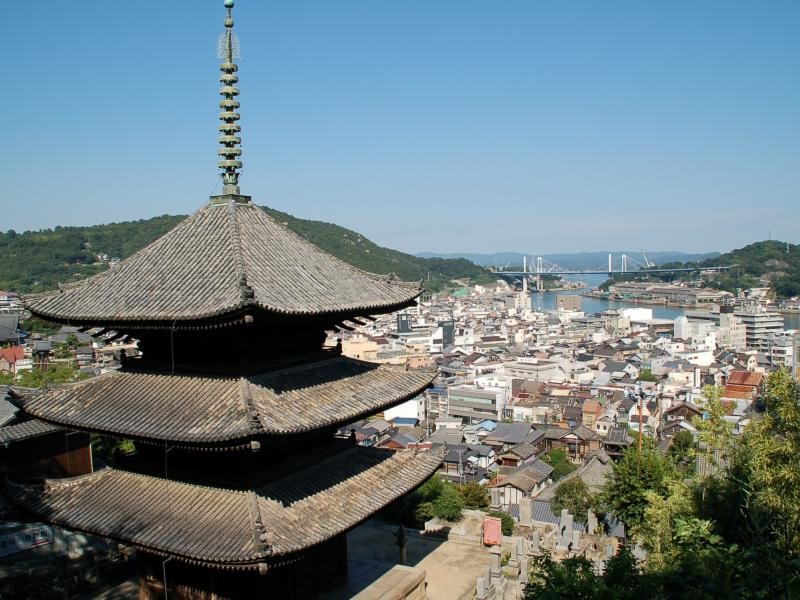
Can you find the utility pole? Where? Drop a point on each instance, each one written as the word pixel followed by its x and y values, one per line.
pixel 641 408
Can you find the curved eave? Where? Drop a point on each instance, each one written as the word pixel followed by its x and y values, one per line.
pixel 219 528
pixel 235 315
pixel 83 406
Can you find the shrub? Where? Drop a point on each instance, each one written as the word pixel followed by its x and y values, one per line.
pixel 508 523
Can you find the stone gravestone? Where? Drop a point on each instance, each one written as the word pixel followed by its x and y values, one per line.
pixel 513 560
pixel 564 530
pixel 494 495
pixel 526 511
pixel 576 541
pixel 524 567
pixel 591 522
pixel 536 542
pixel 481 593
pixel 495 568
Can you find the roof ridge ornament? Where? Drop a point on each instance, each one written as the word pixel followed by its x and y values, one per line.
pixel 230 151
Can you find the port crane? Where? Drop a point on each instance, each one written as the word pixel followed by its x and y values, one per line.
pixel 648 264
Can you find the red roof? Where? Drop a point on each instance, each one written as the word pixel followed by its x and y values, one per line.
pixel 746 378
pixel 12 354
pixel 742 392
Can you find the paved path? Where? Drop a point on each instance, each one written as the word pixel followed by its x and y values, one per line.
pixel 451 567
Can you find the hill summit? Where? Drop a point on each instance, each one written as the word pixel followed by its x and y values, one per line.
pixel 36 261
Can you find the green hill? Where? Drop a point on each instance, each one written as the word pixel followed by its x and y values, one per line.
pixel 760 263
pixel 35 261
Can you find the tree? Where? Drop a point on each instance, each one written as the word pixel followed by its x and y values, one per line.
pixel 61 351
pixel 475 495
pixel 715 432
pixel 656 532
pixel 572 578
pixel 682 450
pixel 557 458
pixel 682 444
pixel 637 473
pixel 575 497
pixel 766 467
pixel 34 325
pixel 449 504
pixel 646 375
pixel 63 372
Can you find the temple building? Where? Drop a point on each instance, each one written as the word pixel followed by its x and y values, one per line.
pixel 239 487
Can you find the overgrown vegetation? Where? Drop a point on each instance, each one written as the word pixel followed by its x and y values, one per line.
pixel 507 521
pixel 55 372
pixel 557 458
pixel 646 375
pixel 36 261
pixel 575 496
pixel 731 530
pixel 475 496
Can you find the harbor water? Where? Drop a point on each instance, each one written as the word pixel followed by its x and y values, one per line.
pixel 548 301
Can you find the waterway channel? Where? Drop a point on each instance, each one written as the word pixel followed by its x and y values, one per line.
pixel 548 301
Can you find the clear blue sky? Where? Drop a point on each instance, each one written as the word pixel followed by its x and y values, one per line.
pixel 442 125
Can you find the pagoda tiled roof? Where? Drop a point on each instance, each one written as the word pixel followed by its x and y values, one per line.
pixel 222 260
pixel 24 431
pixel 203 409
pixel 225 527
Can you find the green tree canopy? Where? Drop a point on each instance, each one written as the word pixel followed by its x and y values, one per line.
pixel 575 497
pixel 475 495
pixel 638 473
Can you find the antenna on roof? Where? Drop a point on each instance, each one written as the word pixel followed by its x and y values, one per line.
pixel 230 152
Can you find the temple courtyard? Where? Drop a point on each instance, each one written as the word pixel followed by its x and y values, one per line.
pixel 451 567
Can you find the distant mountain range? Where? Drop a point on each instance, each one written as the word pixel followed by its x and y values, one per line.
pixel 35 261
pixel 576 260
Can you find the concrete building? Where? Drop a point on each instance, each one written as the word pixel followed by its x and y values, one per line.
pixel 759 325
pixel 732 331
pixel 475 403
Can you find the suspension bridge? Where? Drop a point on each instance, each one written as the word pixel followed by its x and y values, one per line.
pixel 623 265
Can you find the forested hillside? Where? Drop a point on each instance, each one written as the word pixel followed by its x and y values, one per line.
pixel 755 265
pixel 773 261
pixel 35 261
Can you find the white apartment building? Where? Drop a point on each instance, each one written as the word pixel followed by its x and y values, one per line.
pixel 759 325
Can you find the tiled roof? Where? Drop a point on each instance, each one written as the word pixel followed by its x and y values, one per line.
pixel 524 478
pixel 223 259
pixel 508 433
pixel 24 431
pixel 523 450
pixel 7 410
pixel 593 473
pixel 233 528
pixel 194 409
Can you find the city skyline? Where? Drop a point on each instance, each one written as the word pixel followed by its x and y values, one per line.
pixel 463 126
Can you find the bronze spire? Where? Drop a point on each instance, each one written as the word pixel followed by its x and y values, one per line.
pixel 230 152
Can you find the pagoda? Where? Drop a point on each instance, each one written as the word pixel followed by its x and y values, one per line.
pixel 239 487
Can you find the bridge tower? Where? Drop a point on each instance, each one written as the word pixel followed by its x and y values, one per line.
pixel 539 271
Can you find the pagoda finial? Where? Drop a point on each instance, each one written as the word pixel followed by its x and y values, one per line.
pixel 230 153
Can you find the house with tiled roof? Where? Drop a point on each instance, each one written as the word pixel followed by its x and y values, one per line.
pixel 516 485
